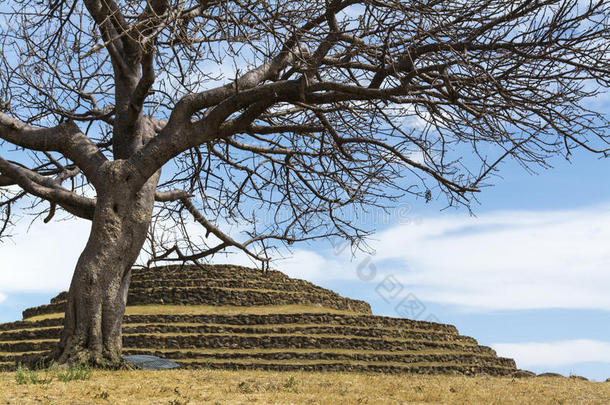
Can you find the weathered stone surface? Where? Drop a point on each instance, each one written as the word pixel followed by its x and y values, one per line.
pixel 17 347
pixel 415 369
pixel 300 318
pixel 305 330
pixel 220 296
pixel 457 358
pixel 291 341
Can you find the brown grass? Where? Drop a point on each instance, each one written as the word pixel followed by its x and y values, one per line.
pixel 216 310
pixel 282 325
pixel 46 316
pixel 18 353
pixel 27 329
pixel 304 350
pixel 239 387
pixel 303 362
pixel 296 334
pixel 229 310
pixel 29 341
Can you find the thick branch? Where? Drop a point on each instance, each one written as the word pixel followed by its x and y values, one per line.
pixel 6 181
pixel 48 189
pixel 173 195
pixel 66 138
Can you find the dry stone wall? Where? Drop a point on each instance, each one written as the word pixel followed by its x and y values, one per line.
pixel 324 339
pixel 454 369
pixel 228 285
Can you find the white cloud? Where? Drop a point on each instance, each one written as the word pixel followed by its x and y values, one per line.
pixel 555 353
pixel 2 297
pixel 13 189
pixel 308 265
pixel 507 260
pixel 43 258
pixel 501 260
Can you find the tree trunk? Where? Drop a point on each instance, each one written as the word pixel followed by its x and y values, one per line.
pixel 98 292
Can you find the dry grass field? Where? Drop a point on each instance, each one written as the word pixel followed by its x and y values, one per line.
pixel 247 387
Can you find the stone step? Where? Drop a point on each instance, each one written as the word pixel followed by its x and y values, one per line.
pixel 300 329
pixel 54 332
pixel 220 296
pixel 363 356
pixel 31 334
pixel 216 341
pixel 373 321
pixel 47 309
pixel 15 357
pixel 258 284
pixel 31 325
pixel 28 346
pixel 263 341
pixel 239 297
pixel 207 272
pixel 300 286
pixel 292 285
pixel 295 355
pixel 368 321
pixel 456 369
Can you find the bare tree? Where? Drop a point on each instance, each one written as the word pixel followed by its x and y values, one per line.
pixel 301 110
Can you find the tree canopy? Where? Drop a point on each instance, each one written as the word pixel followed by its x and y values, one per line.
pixel 306 108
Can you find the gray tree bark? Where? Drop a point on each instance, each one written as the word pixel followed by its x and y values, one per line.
pixel 98 292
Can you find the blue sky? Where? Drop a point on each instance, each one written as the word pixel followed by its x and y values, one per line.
pixel 528 275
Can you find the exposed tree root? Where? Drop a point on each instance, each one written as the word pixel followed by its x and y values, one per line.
pixel 77 356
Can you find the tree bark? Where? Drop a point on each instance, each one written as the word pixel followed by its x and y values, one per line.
pixel 98 292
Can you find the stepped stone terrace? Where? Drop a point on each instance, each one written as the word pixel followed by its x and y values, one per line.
pixel 231 317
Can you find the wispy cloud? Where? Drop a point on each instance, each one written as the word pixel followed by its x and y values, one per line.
pixel 507 260
pixel 43 258
pixel 2 297
pixel 501 260
pixel 555 353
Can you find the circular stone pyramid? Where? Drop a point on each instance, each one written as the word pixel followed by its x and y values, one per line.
pixel 222 316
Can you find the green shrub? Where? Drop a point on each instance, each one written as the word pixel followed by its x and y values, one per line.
pixel 21 375
pixel 291 384
pixel 75 373
pixel 24 375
